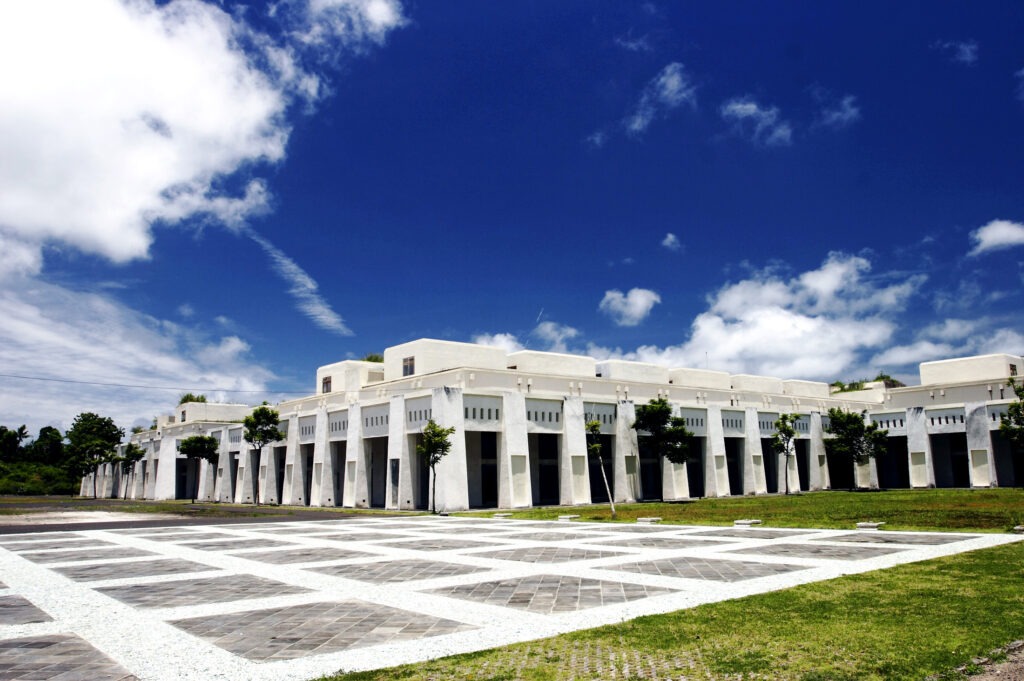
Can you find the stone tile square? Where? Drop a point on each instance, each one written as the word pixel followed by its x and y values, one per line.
pixel 399 525
pixel 189 536
pixel 18 610
pixel 394 571
pixel 303 555
pixel 553 536
pixel 707 568
pixel 363 536
pixel 820 551
pixel 51 545
pixel 316 628
pixel 870 537
pixel 147 568
pixel 437 544
pixel 47 557
pixel 642 529
pixel 549 554
pixel 664 542
pixel 461 529
pixel 235 544
pixel 57 658
pixel 198 591
pixel 748 533
pixel 548 594
pixel 39 536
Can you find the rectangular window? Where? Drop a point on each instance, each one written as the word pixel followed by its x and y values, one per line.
pixel 183 417
pixel 1013 369
pixel 408 366
pixel 325 385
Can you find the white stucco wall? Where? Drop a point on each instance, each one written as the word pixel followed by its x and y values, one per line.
pixel 762 384
pixel 812 389
pixel 553 363
pixel 700 378
pixel 436 355
pixel 621 370
pixel 964 369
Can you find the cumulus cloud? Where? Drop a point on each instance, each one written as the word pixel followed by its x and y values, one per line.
pixel 996 236
pixel 953 338
pixel 631 308
pixel 634 44
pixel 839 114
pixel 960 52
pixel 671 242
pixel 506 341
pixel 670 89
pixel 762 125
pixel 555 335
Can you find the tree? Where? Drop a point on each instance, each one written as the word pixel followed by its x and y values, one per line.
pixel 261 428
pixel 1011 424
pixel 191 397
pixel 373 357
pixel 782 441
pixel 200 448
pixel 47 449
pixel 667 435
pixel 434 446
pixel 853 438
pixel 131 456
pixel 92 442
pixel 10 443
pixel 594 449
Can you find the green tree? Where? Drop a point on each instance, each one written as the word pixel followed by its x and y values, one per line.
pixel 132 455
pixel 191 397
pixel 92 442
pixel 261 428
pixel 594 449
pixel 10 443
pixel 853 439
pixel 434 446
pixel 373 357
pixel 199 448
pixel 47 449
pixel 1011 424
pixel 782 441
pixel 667 435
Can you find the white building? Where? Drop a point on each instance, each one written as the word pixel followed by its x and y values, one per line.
pixel 520 441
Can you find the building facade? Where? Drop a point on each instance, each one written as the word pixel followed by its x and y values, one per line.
pixel 520 436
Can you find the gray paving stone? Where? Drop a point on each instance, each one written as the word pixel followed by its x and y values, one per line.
pixel 549 554
pixel 707 568
pixel 551 593
pixel 394 571
pixel 114 552
pixel 185 537
pixel 820 551
pixel 52 545
pixel 18 610
pixel 553 536
pixel 664 542
pixel 147 568
pixel 641 529
pixel 57 658
pixel 897 538
pixel 744 533
pixel 235 544
pixel 437 544
pixel 38 536
pixel 303 555
pixel 198 591
pixel 317 628
pixel 363 536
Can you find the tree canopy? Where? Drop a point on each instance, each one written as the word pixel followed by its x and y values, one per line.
pixel 373 357
pixel 667 435
pixel 594 449
pixel 782 440
pixel 200 447
pixel 434 446
pixel 191 397
pixel 853 437
pixel 1011 424
pixel 92 442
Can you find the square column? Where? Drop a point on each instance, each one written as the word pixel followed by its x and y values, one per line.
pixel 452 474
pixel 165 483
pixel 514 485
pixel 322 489
pixel 293 489
pixel 401 459
pixel 573 468
pixel 919 449
pixel 817 475
pixel 979 446
pixel 626 457
pixel 248 471
pixel 716 470
pixel 357 469
pixel 223 488
pixel 753 455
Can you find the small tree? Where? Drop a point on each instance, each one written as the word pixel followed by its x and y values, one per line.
pixel 92 441
pixel 261 428
pixel 434 447
pixel 131 456
pixel 1011 424
pixel 667 435
pixel 594 449
pixel 191 397
pixel 199 448
pixel 782 441
pixel 854 439
pixel 373 357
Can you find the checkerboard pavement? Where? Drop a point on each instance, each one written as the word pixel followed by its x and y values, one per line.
pixel 295 600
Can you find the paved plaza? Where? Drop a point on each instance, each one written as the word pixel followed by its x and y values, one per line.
pixel 295 600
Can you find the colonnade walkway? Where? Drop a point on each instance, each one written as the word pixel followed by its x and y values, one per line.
pixel 295 600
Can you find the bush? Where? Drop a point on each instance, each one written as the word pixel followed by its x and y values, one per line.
pixel 34 479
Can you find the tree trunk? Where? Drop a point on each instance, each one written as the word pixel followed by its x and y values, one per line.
pixel 433 491
pixel 786 472
pixel 127 477
pixel 95 474
pixel 259 455
pixel 611 502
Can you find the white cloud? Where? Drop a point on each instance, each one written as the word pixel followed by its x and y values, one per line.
pixel 670 89
pixel 631 44
pixel 961 52
pixel 57 333
pixel 671 242
pixel 840 114
pixel 986 337
pixel 597 139
pixel 761 125
pixel 555 335
pixel 997 235
pixel 631 308
pixel 506 341
pixel 19 258
pixel 185 310
pixel 99 146
pixel 303 288
pixel 950 329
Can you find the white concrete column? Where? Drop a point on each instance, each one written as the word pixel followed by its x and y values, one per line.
pixel 149 477
pixel 919 449
pixel 716 471
pixel 452 474
pixel 399 451
pixel 224 488
pixel 817 475
pixel 357 469
pixel 206 481
pixel 753 456
pixel 514 485
pixel 165 483
pixel 626 457
pixel 321 491
pixel 293 489
pixel 248 469
pixel 573 468
pixel 979 446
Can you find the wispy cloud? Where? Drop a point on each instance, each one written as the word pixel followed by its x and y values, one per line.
pixel 670 89
pixel 633 43
pixel 961 52
pixel 629 309
pixel 997 235
pixel 671 242
pixel 303 288
pixel 555 335
pixel 762 125
pixel 838 114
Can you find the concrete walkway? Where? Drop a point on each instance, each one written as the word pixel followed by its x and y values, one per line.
pixel 294 600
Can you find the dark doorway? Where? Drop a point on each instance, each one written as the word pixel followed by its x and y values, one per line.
pixel 803 463
pixel 546 490
pixel 771 466
pixel 337 455
pixel 650 472
pixel 232 482
pixel 378 471
pixel 949 459
pixel 695 467
pixel 307 470
pixel 1009 461
pixel 893 466
pixel 840 468
pixel 489 469
pixel 734 463
pixel 598 493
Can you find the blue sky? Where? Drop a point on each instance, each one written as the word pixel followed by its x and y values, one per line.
pixel 222 196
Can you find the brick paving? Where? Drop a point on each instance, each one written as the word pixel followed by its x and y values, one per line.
pixel 299 599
